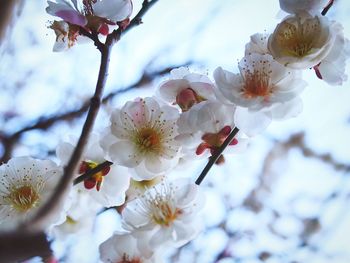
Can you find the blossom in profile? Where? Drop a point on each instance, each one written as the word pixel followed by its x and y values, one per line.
pixel 204 128
pixel 186 89
pixel 142 136
pixel 299 6
pixel 124 248
pixel 66 35
pixel 332 68
pixel 25 185
pixel 106 187
pixel 166 214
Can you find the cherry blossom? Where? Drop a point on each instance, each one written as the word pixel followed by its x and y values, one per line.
pixel 264 87
pixel 142 137
pixel 166 214
pixel 186 89
pixel 302 41
pixel 25 185
pixel 262 82
pixel 107 187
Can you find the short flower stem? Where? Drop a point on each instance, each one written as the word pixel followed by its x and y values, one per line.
pixel 91 172
pixel 216 156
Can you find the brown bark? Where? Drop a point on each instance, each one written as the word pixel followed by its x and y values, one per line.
pixel 9 11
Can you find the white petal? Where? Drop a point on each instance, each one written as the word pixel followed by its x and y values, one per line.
pixel 124 153
pixel 251 123
pixel 114 10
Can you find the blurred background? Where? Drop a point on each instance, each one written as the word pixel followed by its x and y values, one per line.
pixel 286 199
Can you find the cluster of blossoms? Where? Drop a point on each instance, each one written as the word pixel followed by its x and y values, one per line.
pixel 189 118
pixel 92 16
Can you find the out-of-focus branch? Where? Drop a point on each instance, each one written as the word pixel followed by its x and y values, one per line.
pixel 44 123
pixel 9 10
pixel 22 245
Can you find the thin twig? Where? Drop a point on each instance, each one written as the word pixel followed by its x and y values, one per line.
pixel 137 20
pixel 91 172
pixel 328 6
pixel 216 156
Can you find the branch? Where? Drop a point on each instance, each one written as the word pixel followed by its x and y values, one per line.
pixel 328 6
pixel 216 156
pixel 23 245
pixel 137 20
pixel 57 197
pixel 91 172
pixel 10 9
pixel 69 170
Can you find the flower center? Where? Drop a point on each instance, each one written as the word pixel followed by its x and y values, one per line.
pixel 97 178
pixel 164 214
pixel 257 84
pixel 187 98
pixel 213 141
pixel 126 259
pixel 298 40
pixel 23 198
pixel 148 140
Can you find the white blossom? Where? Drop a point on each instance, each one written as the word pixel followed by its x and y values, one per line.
pixel 264 87
pixel 142 137
pixel 167 214
pixel 79 12
pixel 261 83
pixel 186 89
pixel 107 187
pixel 25 185
pixel 302 41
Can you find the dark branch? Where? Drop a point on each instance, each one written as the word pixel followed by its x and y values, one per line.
pixel 215 157
pixel 91 172
pixel 328 6
pixel 23 245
